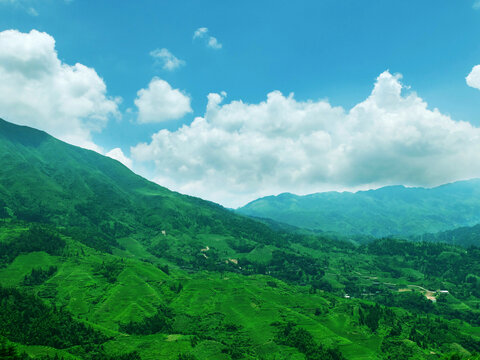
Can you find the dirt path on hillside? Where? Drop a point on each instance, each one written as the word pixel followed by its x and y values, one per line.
pixel 429 294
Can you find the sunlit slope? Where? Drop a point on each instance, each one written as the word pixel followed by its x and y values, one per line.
pixel 219 315
pixel 393 210
pixel 220 310
pixel 46 180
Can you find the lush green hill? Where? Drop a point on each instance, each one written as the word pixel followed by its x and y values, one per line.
pixel 463 236
pixel 99 199
pixel 393 210
pixel 98 263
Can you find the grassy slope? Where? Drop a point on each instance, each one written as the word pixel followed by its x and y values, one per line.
pixel 141 287
pixel 393 210
pixel 210 298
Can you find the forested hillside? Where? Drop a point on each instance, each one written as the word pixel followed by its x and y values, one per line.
pixel 98 263
pixel 463 236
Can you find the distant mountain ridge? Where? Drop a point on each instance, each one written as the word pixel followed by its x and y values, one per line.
pixel 391 210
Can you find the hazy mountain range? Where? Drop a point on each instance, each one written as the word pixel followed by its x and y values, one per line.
pixel 391 210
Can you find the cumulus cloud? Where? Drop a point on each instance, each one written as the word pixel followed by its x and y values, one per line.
pixel 160 102
pixel 38 90
pixel 473 79
pixel 211 41
pixel 118 155
pixel 168 61
pixel 237 151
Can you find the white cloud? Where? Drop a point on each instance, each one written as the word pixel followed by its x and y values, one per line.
pixel 38 90
pixel 473 79
pixel 200 32
pixel 167 59
pixel 159 102
pixel 211 41
pixel 32 11
pixel 237 152
pixel 118 155
pixel 476 4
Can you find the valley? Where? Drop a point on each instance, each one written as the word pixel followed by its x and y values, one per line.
pixel 99 263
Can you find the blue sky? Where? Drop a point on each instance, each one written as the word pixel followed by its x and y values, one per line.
pixel 319 50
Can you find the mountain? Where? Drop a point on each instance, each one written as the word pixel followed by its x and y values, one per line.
pixel 463 236
pixel 392 210
pixel 98 263
pixel 46 180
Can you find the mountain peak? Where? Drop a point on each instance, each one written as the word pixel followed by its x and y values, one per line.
pixel 24 135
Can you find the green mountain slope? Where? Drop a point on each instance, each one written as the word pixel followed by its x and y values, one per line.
pixel 393 210
pixel 464 236
pixel 98 263
pixel 46 180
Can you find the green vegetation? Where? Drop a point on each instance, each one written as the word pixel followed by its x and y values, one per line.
pixel 39 276
pixel 98 263
pixel 35 239
pixel 392 210
pixel 161 322
pixel 464 236
pixel 304 341
pixel 27 320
